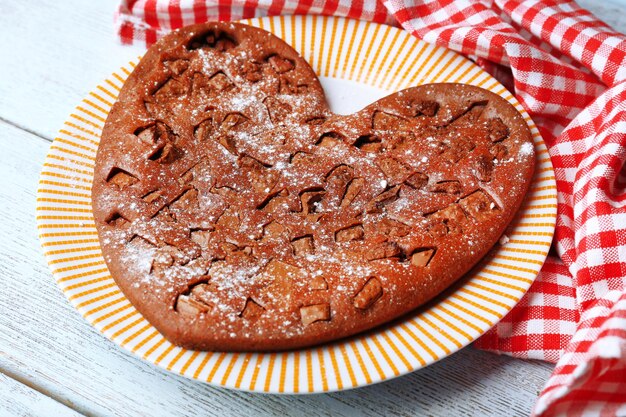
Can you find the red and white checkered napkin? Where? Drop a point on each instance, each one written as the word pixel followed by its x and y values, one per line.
pixel 568 70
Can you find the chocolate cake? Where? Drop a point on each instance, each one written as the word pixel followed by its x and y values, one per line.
pixel 237 212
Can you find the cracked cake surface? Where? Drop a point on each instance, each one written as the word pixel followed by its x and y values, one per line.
pixel 237 212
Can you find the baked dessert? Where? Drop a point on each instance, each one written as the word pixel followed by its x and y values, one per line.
pixel 236 212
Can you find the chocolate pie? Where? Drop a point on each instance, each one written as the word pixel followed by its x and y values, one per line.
pixel 237 212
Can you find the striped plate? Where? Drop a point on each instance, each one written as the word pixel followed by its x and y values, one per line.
pixel 359 56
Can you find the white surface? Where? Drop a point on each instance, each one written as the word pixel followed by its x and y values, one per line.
pixel 50 57
pixel 347 97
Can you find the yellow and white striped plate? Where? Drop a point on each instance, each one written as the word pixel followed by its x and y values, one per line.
pixel 346 52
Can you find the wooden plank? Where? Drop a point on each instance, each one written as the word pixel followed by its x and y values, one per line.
pixel 47 344
pixel 19 400
pixel 52 56
pixel 610 11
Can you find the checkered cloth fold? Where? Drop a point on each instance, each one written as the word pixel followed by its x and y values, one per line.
pixel 567 68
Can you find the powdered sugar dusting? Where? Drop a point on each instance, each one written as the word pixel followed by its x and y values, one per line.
pixel 248 202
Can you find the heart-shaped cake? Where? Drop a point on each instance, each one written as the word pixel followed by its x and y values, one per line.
pixel 237 212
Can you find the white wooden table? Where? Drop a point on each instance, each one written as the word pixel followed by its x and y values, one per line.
pixel 53 363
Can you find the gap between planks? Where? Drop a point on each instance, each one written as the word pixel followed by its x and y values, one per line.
pixel 55 400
